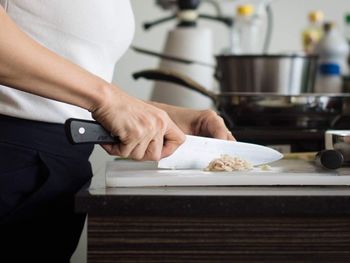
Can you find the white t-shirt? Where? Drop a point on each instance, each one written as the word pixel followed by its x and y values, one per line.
pixel 91 33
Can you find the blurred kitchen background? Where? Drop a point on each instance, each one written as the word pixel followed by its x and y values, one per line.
pixel 290 19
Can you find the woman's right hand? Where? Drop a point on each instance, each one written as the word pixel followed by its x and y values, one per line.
pixel 145 132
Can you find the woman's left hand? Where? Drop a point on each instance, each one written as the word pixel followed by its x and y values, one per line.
pixel 208 123
pixel 205 123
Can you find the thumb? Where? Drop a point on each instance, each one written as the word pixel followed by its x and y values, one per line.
pixel 173 138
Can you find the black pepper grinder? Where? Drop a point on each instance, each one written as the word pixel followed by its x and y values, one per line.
pixel 329 159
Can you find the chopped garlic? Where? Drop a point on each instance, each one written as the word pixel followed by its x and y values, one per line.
pixel 227 163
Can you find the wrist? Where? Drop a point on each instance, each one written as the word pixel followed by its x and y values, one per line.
pixel 103 96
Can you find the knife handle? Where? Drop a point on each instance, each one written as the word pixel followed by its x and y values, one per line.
pixel 87 132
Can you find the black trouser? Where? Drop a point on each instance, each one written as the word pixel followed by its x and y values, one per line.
pixel 39 174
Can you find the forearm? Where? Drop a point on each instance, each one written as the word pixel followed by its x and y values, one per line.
pixel 186 119
pixel 30 67
pixel 197 122
pixel 173 111
pixel 170 109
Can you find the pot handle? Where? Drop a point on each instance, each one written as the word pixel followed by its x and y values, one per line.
pixel 176 78
pixel 171 58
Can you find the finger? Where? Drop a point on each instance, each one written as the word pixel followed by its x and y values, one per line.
pixel 220 133
pixel 139 151
pixel 173 138
pixel 121 149
pixel 230 137
pixel 130 142
pixel 217 129
pixel 214 126
pixel 154 150
pixel 111 149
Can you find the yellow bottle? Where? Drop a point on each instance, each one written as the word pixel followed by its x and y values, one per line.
pixel 312 34
pixel 245 10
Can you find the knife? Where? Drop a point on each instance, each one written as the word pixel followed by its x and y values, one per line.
pixel 195 153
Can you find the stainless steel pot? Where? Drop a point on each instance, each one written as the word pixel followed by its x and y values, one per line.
pixel 281 74
pixel 287 74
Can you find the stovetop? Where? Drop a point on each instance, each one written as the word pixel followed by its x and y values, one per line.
pixel 298 140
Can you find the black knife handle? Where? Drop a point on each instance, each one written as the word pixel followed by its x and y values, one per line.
pixel 84 132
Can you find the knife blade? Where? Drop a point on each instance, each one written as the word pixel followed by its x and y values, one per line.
pixel 195 153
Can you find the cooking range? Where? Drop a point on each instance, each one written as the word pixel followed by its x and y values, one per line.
pixel 289 123
pixel 283 139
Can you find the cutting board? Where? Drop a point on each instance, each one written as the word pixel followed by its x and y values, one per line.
pixel 124 173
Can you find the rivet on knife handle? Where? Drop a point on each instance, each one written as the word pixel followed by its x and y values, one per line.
pixel 84 132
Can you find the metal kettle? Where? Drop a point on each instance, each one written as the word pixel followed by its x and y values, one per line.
pixel 188 41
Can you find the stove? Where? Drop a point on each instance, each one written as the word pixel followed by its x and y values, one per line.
pixel 287 138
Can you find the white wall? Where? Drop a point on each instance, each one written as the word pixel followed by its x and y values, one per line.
pixel 290 17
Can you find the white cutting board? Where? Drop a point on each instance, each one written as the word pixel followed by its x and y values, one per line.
pixel 123 173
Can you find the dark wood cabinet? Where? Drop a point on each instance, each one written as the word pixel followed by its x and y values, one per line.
pixel 217 224
pixel 161 240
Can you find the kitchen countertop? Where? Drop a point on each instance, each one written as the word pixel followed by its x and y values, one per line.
pixel 216 224
pixel 224 201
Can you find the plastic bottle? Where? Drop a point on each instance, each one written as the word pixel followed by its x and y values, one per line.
pixel 333 48
pixel 313 32
pixel 329 79
pixel 244 34
pixel 347 34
